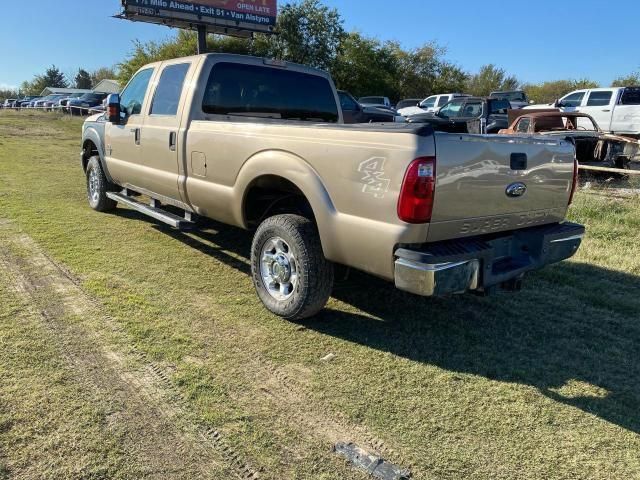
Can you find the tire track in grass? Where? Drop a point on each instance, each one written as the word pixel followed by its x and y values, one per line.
pixel 164 431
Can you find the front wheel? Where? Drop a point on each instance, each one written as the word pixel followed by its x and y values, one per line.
pixel 292 277
pixel 98 186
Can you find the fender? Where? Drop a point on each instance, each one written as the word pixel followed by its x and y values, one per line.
pixel 92 133
pixel 296 170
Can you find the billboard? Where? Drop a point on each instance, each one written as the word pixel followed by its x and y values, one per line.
pixel 232 17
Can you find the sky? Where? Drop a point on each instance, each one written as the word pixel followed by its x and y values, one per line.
pixel 535 41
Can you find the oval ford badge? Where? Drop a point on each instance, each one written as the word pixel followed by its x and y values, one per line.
pixel 516 190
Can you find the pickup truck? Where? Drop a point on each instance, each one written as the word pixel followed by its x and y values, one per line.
pixel 616 110
pixel 430 104
pixel 468 115
pixel 261 144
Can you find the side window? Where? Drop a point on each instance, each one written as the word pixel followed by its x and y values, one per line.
pixel 499 106
pixel 573 100
pixel 472 109
pixel 599 99
pixel 133 96
pixel 264 92
pixel 523 125
pixel 429 102
pixel 347 103
pixel 169 90
pixel 630 96
pixel 451 109
pixel 443 100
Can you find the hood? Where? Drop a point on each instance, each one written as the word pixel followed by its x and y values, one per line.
pixel 406 112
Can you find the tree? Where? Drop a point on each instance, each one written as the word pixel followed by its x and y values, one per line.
pixel 308 32
pixel 631 80
pixel 83 80
pixel 53 77
pixel 548 92
pixel 103 73
pixel 490 79
pixel 365 65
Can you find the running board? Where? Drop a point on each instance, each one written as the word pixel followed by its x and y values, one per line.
pixel 181 223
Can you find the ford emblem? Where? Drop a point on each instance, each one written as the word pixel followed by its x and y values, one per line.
pixel 516 190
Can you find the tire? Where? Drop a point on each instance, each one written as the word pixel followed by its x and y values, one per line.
pixel 287 249
pixel 98 186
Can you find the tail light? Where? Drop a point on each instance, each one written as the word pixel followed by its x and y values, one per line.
pixel 574 185
pixel 415 204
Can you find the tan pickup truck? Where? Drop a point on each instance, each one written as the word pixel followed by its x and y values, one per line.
pixel 261 144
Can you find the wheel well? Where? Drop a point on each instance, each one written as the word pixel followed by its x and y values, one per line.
pixel 89 149
pixel 272 195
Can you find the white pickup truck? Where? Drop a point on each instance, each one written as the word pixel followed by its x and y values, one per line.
pixel 616 109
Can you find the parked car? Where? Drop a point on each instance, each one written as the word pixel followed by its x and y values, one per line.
pixel 616 110
pixel 593 146
pixel 353 112
pixel 63 102
pixel 40 103
pixel 9 103
pixel 84 104
pixel 379 102
pixel 517 98
pixel 468 115
pixel 52 101
pixel 409 102
pixel 25 101
pixel 430 104
pixel 261 145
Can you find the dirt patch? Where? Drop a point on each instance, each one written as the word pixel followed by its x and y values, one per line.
pixel 155 427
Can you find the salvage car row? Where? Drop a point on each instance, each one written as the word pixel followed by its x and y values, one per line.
pixel 74 103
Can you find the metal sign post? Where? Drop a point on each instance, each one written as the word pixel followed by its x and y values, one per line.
pixel 202 39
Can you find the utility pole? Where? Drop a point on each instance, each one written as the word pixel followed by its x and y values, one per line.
pixel 202 39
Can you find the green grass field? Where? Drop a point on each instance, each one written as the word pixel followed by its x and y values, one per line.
pixel 128 350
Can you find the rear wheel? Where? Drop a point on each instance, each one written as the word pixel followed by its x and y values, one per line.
pixel 292 277
pixel 98 186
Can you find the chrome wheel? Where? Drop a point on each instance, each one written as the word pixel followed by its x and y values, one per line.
pixel 279 269
pixel 94 186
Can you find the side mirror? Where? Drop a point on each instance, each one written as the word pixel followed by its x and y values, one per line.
pixel 114 109
pixel 558 104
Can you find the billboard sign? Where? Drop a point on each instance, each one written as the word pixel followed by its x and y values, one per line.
pixel 239 17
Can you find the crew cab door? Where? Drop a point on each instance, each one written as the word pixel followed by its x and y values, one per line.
pixel 626 112
pixel 123 143
pixel 599 104
pixel 161 131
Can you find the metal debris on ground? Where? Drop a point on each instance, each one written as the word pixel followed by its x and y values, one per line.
pixel 328 358
pixel 372 464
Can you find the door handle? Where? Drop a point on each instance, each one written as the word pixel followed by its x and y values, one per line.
pixel 136 132
pixel 606 110
pixel 173 137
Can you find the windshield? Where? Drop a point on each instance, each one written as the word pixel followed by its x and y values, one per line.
pixel 511 96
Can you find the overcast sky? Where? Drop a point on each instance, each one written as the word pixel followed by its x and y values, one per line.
pixel 542 40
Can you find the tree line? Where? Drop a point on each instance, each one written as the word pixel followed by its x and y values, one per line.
pixel 54 77
pixel 312 33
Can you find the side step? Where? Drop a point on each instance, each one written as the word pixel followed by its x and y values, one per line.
pixel 181 223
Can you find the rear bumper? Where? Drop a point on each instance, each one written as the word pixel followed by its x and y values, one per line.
pixel 484 263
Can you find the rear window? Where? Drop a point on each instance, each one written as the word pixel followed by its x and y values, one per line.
pixel 631 96
pixel 254 91
pixel 599 99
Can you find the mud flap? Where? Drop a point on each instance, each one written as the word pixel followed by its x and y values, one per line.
pixel 372 464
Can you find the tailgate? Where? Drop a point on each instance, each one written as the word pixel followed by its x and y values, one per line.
pixel 489 184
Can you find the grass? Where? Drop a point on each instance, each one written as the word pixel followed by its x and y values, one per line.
pixel 541 384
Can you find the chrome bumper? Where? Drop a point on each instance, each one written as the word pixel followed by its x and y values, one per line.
pixel 439 279
pixel 480 264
